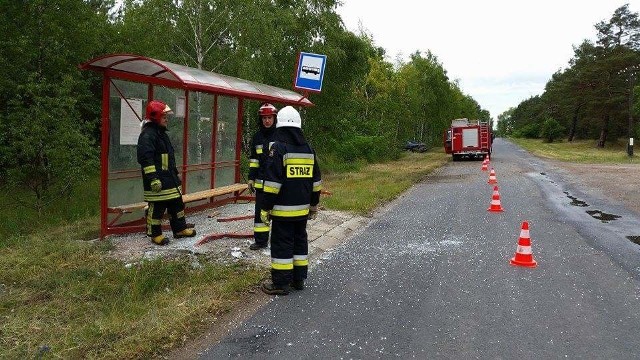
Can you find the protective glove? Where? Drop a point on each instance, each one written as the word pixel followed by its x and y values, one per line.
pixel 251 188
pixel 313 212
pixel 156 185
pixel 265 217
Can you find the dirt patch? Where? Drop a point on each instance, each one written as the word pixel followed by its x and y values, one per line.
pixel 617 182
pixel 330 227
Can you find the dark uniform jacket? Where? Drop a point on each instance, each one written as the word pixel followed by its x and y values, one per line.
pixel 157 159
pixel 292 181
pixel 259 151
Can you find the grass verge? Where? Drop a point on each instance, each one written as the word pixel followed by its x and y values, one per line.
pixel 578 151
pixel 64 298
pixel 61 297
pixel 375 184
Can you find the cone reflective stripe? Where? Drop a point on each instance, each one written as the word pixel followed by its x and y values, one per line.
pixel 495 201
pixel 492 177
pixel 524 254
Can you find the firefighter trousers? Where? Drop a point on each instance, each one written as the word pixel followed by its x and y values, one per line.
pixel 289 251
pixel 260 230
pixel 175 208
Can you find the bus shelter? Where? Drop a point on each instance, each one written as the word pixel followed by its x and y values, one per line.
pixel 205 130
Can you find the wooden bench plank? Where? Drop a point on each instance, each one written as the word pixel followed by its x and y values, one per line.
pixel 127 208
pixel 201 195
pixel 187 198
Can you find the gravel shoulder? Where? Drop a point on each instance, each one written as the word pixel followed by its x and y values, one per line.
pixel 617 182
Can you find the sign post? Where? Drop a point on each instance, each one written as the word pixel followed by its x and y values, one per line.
pixel 310 72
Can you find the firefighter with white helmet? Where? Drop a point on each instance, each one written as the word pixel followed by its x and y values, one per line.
pixel 292 187
pixel 260 143
pixel 161 181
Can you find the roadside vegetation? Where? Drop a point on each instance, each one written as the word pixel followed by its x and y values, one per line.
pixel 579 151
pixel 596 96
pixel 62 296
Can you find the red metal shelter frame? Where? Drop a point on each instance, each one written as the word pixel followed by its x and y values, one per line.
pixel 140 69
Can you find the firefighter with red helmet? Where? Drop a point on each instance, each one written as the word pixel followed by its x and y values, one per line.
pixel 259 148
pixel 292 187
pixel 161 181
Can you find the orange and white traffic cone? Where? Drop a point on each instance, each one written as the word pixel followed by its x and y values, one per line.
pixel 495 201
pixel 485 165
pixel 492 177
pixel 524 255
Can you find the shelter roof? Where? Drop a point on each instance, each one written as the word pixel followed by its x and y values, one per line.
pixel 145 69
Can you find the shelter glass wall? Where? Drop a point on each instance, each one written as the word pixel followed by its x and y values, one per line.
pixel 125 185
pixel 226 140
pixel 175 125
pixel 201 119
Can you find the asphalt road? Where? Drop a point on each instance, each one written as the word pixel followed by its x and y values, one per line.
pixel 430 277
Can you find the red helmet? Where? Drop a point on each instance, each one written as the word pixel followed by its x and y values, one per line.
pixel 267 109
pixel 155 108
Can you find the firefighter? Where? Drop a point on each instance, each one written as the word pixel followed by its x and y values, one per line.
pixel 291 194
pixel 160 179
pixel 259 149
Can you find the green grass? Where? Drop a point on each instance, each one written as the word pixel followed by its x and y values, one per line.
pixel 19 215
pixel 68 296
pixel 64 297
pixel 374 184
pixel 579 151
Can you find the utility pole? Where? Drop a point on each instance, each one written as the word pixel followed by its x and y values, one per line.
pixel 630 128
pixel 632 76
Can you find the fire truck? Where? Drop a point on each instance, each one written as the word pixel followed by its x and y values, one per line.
pixel 468 139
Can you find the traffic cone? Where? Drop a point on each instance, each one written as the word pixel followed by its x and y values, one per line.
pixel 524 255
pixel 492 177
pixel 495 201
pixel 485 165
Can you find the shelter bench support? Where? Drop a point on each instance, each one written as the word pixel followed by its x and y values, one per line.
pixel 187 198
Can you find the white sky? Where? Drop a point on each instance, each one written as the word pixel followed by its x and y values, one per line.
pixel 501 51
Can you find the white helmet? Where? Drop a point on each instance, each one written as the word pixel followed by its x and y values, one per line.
pixel 288 116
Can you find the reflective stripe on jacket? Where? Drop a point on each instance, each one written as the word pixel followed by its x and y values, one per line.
pixel 259 150
pixel 292 181
pixel 157 160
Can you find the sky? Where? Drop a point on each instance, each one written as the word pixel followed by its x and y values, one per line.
pixel 501 51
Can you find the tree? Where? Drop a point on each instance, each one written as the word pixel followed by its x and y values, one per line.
pixel 551 130
pixel 505 125
pixel 47 112
pixel 49 152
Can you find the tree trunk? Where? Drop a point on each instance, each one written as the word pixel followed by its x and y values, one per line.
pixel 604 132
pixel 574 123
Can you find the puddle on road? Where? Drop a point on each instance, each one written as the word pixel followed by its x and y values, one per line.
pixel 602 216
pixel 575 201
pixel 634 239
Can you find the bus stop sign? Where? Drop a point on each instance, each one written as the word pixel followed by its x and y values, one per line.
pixel 310 72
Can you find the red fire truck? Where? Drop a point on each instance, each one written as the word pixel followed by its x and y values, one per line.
pixel 468 138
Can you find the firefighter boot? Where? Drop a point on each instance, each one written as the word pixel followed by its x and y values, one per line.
pixel 298 284
pixel 256 246
pixel 160 240
pixel 188 232
pixel 271 289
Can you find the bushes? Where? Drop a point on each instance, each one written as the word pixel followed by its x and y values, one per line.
pixel 531 131
pixel 551 130
pixel 369 148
